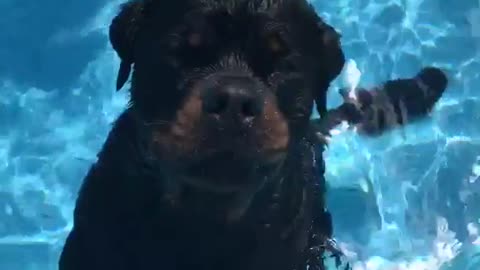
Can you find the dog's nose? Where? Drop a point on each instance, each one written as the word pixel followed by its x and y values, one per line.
pixel 232 100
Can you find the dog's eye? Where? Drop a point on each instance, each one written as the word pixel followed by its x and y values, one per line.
pixel 200 38
pixel 195 40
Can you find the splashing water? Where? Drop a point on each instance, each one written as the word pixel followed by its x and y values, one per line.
pixel 352 77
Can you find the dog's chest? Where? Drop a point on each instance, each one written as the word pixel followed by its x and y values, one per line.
pixel 178 243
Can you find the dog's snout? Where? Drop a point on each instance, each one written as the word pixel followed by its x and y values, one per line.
pixel 236 99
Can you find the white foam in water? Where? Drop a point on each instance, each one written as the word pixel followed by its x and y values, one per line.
pixel 73 141
pixel 352 77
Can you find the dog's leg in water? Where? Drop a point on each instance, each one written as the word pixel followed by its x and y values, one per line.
pixel 392 105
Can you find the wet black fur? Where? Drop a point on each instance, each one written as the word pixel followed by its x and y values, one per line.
pixel 120 223
pixel 120 219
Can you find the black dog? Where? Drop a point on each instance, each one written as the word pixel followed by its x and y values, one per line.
pixel 212 166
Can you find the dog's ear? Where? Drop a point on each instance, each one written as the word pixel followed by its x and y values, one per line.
pixel 328 53
pixel 319 42
pixel 122 34
pixel 332 61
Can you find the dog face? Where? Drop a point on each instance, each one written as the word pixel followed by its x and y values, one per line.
pixel 224 89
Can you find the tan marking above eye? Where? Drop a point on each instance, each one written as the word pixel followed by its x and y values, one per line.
pixel 276 44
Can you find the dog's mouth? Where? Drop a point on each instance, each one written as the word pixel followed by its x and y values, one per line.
pixel 228 135
pixel 228 171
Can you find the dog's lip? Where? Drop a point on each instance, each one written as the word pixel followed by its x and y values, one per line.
pixel 219 160
pixel 229 171
pixel 232 158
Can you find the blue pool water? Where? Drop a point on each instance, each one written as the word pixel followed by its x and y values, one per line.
pixel 421 211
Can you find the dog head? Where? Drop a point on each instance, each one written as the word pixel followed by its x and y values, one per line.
pixel 224 89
